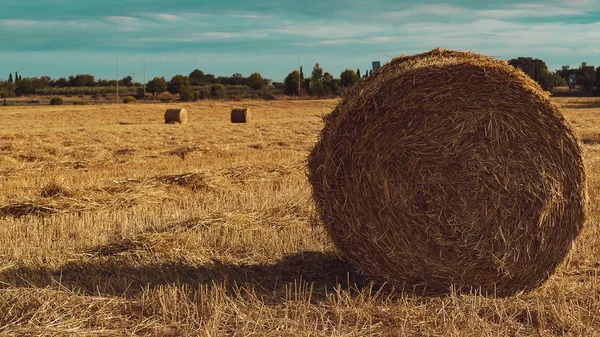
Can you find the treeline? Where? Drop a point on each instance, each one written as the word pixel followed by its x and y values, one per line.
pixel 320 83
pixel 585 78
pixel 198 85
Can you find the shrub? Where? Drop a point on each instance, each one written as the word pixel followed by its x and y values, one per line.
pixel 204 92
pixel 80 103
pixel 217 90
pixel 139 94
pixel 255 81
pixel 56 101
pixel 129 99
pixel 269 96
pixel 186 93
pixel 165 96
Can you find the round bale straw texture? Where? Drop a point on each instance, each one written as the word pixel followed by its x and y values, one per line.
pixel 450 169
pixel 176 116
pixel 240 115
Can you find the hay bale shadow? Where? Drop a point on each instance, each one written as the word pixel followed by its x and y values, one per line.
pixel 583 105
pixel 119 277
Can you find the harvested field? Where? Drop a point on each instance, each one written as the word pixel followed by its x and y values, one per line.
pixel 112 223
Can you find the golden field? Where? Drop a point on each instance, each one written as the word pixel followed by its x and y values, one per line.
pixel 113 223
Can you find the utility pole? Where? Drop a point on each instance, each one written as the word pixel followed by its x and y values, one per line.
pixel 117 78
pixel 144 79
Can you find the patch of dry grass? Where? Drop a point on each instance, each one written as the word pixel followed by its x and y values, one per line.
pixel 109 228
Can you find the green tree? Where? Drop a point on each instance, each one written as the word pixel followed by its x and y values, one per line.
pixel 318 88
pixel 157 85
pixel 565 72
pixel 217 90
pixel 60 83
pixel 177 82
pixel 186 93
pixel 333 86
pixel 29 85
pixel 538 71
pixel 197 77
pixel 16 77
pixel 255 81
pixel 317 73
pixel 349 77
pixel 290 84
pixel 7 89
pixel 180 84
pixel 532 67
pixel 586 76
pixel 358 73
pixel 10 79
pixel 82 80
pixel 598 79
pixel 47 80
pixel 127 81
pixel 549 80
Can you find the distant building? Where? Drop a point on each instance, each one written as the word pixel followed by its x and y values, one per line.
pixel 571 80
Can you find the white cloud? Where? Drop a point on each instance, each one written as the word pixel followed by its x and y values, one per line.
pixel 319 29
pixel 435 12
pixel 125 23
pixel 529 11
pixel 46 24
pixel 206 36
pixel 17 23
pixel 420 11
pixel 162 16
pixel 127 19
pixel 248 16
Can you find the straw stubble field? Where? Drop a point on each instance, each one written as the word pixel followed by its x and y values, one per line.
pixel 113 223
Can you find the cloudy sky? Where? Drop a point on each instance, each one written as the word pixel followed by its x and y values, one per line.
pixel 64 37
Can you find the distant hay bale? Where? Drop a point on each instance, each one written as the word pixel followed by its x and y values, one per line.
pixel 173 116
pixel 240 115
pixel 450 169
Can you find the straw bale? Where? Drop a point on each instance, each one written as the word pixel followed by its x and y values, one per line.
pixel 240 115
pixel 450 169
pixel 173 116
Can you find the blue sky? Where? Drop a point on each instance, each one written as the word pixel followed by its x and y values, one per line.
pixel 66 37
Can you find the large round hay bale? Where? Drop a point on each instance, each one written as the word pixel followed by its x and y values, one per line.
pixel 176 116
pixel 240 115
pixel 450 170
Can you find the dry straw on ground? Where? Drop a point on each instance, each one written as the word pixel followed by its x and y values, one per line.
pixel 240 115
pixel 176 116
pixel 450 169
